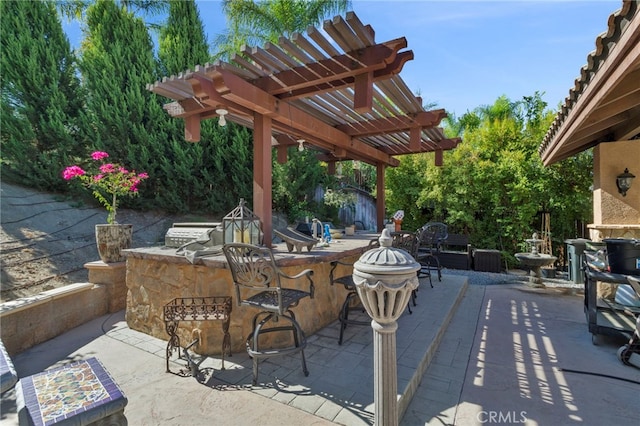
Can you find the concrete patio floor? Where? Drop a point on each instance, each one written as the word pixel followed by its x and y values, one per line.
pixel 469 354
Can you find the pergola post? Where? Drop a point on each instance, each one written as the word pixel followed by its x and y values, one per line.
pixel 262 195
pixel 380 199
pixel 192 128
pixel 438 157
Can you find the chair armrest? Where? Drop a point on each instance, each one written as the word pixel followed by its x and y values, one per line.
pixel 308 273
pixel 373 243
pixel 334 265
pixel 346 280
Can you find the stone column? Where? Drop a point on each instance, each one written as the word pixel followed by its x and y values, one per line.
pixel 385 372
pixel 114 277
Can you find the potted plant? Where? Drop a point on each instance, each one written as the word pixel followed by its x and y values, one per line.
pixel 107 181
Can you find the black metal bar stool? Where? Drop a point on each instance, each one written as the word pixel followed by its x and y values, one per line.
pixel 254 269
pixel 430 239
pixel 352 295
pixel 408 241
pixel 348 304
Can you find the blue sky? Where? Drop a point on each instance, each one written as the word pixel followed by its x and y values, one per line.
pixel 468 53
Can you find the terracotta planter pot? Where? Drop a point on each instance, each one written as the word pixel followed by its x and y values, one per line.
pixel 110 239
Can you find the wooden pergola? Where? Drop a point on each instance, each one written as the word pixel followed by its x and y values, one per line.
pixel 340 95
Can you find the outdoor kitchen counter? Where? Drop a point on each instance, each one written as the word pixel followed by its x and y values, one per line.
pixel 157 275
pixel 337 249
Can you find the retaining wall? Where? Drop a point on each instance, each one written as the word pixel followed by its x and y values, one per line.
pixel 27 321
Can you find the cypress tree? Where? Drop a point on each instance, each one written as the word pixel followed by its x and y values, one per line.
pixel 201 172
pixel 182 40
pixel 124 118
pixel 41 99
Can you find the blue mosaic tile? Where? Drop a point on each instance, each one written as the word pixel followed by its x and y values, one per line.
pixel 8 376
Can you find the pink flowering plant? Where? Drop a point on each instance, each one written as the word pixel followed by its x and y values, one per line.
pixel 107 182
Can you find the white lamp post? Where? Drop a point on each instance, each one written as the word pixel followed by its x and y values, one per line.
pixel 384 278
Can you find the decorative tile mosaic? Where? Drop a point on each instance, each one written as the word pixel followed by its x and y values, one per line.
pixel 70 390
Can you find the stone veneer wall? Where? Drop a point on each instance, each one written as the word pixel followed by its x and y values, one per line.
pixel 601 232
pixel 154 282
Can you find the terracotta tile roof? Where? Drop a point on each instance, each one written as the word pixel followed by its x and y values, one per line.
pixel 604 104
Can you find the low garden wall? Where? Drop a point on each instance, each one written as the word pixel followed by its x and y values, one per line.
pixel 27 321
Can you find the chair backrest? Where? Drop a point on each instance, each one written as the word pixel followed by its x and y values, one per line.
pixel 426 239
pixel 251 267
pixel 406 241
pixel 439 230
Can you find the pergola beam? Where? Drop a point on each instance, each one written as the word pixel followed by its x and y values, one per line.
pixel 389 70
pixel 241 92
pixel 426 119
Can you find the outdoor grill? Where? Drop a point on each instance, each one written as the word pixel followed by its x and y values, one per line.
pixel 185 232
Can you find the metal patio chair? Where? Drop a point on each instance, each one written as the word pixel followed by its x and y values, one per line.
pixel 407 241
pixel 254 269
pixel 431 237
pixel 349 303
pixel 410 242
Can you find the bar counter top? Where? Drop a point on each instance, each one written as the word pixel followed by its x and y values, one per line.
pixel 336 250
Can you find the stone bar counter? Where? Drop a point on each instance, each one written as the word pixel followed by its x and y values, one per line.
pixel 157 275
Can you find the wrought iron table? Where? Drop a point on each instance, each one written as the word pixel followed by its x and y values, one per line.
pixel 196 309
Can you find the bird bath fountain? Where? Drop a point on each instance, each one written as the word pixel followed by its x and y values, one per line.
pixel 535 261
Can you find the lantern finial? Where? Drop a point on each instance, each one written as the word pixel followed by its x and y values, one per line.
pixel 241 225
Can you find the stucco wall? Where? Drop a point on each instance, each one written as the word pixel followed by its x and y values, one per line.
pixel 113 277
pixel 609 206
